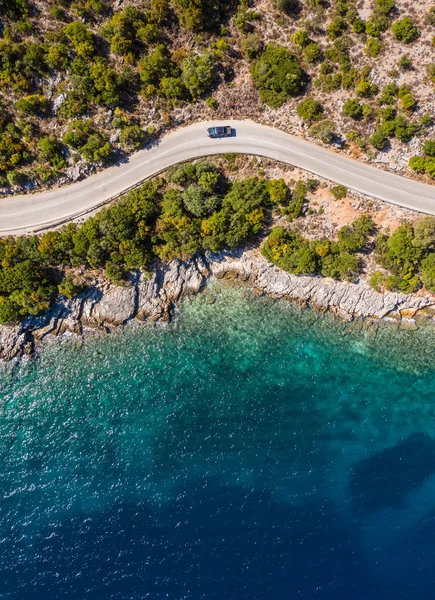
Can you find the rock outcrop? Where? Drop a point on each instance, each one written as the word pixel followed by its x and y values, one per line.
pixel 153 298
pixel 348 300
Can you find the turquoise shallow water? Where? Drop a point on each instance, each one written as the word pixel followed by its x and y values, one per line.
pixel 251 451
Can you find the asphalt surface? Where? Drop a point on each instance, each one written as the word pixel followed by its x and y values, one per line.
pixel 39 211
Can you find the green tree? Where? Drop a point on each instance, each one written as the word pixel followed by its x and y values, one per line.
pixel 405 31
pixel 310 110
pixel 277 75
pixel 424 233
pixel 385 6
pixel 32 105
pixel 429 147
pixel 132 137
pixel 428 272
pixel 199 73
pixel 352 108
pixel 378 140
pixel 199 202
pixel 339 191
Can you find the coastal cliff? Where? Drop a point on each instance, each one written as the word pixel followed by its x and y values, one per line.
pixel 104 306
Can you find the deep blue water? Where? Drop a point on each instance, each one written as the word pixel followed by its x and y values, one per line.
pixel 251 451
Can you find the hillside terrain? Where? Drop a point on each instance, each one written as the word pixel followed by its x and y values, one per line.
pixel 85 82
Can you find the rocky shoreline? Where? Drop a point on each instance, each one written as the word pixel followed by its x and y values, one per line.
pixel 104 306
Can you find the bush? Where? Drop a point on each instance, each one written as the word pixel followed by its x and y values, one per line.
pixel 378 140
pixel 424 233
pixel 429 147
pixel 300 38
pixel 405 31
pixel 385 6
pixel 310 110
pixel 366 89
pixel 353 109
pixel 132 137
pixel 198 73
pixel 376 25
pixel 339 191
pixel 336 28
pixel 359 26
pixel 418 164
pixel 69 287
pixel 32 105
pixel 428 272
pixel 389 94
pixel 408 101
pixel 81 39
pixel 252 46
pixel 277 75
pixel 341 266
pixel 200 203
pixel 290 7
pixel 50 150
pixel 374 47
pixel 312 52
pixel 324 131
pixel 405 63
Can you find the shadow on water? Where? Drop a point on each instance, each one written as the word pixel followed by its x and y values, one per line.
pixel 210 541
pixel 386 479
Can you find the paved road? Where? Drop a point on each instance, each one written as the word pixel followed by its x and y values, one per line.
pixel 35 212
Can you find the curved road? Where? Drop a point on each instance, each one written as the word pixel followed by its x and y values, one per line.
pixel 35 212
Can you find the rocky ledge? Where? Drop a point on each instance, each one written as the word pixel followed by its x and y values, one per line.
pixel 104 306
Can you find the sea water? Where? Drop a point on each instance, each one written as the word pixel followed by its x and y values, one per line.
pixel 250 450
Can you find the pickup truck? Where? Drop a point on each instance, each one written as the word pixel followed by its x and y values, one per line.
pixel 223 131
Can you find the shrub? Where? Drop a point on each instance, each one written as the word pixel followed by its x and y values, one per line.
pixel 389 94
pixel 428 272
pixel 429 147
pixel 290 7
pixel 385 6
pixel 212 103
pixel 323 130
pixel 366 89
pixel 252 45
pixel 424 233
pixel 198 73
pixel 279 192
pixel 374 47
pixel 277 75
pixel 352 108
pixel 336 28
pixel 418 164
pixel 341 266
pixel 376 25
pixel 32 105
pixel 339 191
pixel 300 38
pixel 69 287
pixel 405 31
pixel 359 26
pixel 310 110
pixel 378 140
pixel 50 150
pixel 132 137
pixel 312 52
pixel 408 101
pixel 125 29
pixel 198 202
pixel 405 63
pixel 81 39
